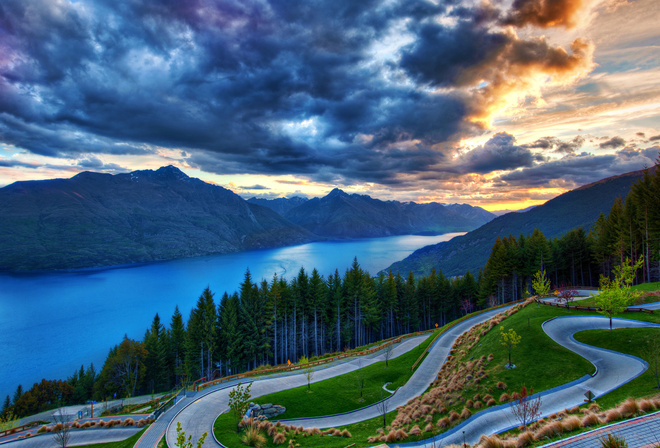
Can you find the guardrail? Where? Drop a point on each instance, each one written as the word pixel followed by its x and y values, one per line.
pixel 16 429
pixel 288 368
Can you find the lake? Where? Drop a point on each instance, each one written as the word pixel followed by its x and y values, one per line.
pixel 52 323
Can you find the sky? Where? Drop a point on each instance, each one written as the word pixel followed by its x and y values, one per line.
pixel 498 104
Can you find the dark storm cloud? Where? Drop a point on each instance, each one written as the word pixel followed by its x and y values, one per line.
pixel 229 83
pixel 15 163
pixel 613 143
pixel 655 138
pixel 580 169
pixel 498 153
pixel 557 145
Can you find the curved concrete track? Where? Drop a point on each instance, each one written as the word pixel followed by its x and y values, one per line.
pixel 198 417
pixel 612 370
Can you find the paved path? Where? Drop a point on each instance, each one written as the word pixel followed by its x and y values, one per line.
pixel 612 370
pixel 640 432
pixel 199 416
pixel 78 437
pixel 425 374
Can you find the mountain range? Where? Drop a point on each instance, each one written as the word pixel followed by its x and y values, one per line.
pixel 95 220
pixel 573 209
pixel 343 215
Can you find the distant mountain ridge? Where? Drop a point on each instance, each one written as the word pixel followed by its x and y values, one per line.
pixel 95 219
pixel 343 215
pixel 575 208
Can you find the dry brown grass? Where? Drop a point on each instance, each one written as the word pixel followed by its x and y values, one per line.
pixel 279 438
pixel 646 406
pixel 629 408
pixel 465 414
pixel 525 439
pixel 415 431
pixel 504 398
pixel 571 423
pixel 501 385
pixel 590 420
pixel 613 415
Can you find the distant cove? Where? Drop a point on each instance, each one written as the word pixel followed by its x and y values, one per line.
pixel 54 322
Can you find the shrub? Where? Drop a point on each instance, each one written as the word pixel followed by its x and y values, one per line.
pixel 128 422
pixel 465 414
pixel 43 429
pixel 415 431
pixel 590 420
pixel 505 398
pixel 501 385
pixel 491 442
pixel 279 438
pixel 429 428
pixel 443 423
pixel 571 423
pixel 629 408
pixel 346 434
pixel 453 416
pixel 253 437
pixel 613 415
pixel 646 406
pixel 478 405
pixel 491 402
pixel 612 441
pixel 525 439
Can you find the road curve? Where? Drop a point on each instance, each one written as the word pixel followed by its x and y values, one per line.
pixel 613 370
pixel 199 416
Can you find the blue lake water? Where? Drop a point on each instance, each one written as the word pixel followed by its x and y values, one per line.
pixel 52 323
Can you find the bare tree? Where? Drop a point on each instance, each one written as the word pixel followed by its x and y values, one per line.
pixel 361 380
pixel 388 353
pixel 61 429
pixel 526 409
pixel 382 408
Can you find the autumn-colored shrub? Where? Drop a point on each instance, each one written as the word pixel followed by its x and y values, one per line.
pixel 465 414
pixel 646 406
pixel 590 420
pixel 629 408
pixel 478 405
pixel 443 423
pixel 415 431
pixel 613 415
pixel 491 402
pixel 501 385
pixel 571 423
pixel 453 416
pixel 525 439
pixel 279 438
pixel 504 398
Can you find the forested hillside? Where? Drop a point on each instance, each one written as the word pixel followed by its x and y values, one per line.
pixel 574 209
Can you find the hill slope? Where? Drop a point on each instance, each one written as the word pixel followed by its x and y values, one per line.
pixel 342 215
pixel 97 219
pixel 576 208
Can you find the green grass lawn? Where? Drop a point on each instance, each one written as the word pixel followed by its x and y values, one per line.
pixel 126 443
pixel 342 393
pixel 633 341
pixel 558 366
pixel 644 299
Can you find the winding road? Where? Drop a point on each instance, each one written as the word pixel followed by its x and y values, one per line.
pixel 198 413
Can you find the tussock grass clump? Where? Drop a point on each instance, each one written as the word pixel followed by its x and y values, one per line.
pixel 415 431
pixel 493 441
pixel 253 437
pixel 525 439
pixel 613 415
pixel 590 420
pixel 612 441
pixel 465 414
pixel 571 423
pixel 646 406
pixel 505 398
pixel 629 408
pixel 279 438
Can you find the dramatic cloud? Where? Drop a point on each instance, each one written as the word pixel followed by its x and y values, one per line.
pixel 613 143
pixel 499 153
pixel 320 90
pixel 581 169
pixel 545 13
pixel 555 144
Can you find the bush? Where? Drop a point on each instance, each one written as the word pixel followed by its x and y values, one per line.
pixel 253 437
pixel 613 442
pixel 279 438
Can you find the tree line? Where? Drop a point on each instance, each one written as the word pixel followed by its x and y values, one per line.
pixel 271 322
pixel 581 257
